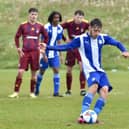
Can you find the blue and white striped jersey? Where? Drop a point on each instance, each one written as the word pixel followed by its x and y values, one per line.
pixel 55 33
pixel 90 50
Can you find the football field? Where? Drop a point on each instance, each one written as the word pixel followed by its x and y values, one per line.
pixel 48 112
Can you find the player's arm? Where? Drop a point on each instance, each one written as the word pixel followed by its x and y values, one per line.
pixel 44 34
pixel 44 39
pixel 61 56
pixel 64 26
pixel 42 51
pixel 111 41
pixel 64 47
pixel 17 43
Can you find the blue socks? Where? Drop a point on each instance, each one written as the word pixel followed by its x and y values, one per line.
pixel 56 80
pixel 39 79
pixel 99 105
pixel 87 100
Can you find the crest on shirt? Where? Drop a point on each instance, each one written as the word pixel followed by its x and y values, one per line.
pixel 100 41
pixel 37 31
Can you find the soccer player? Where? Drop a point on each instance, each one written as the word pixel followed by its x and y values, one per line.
pixel 90 47
pixel 75 27
pixel 55 32
pixel 29 53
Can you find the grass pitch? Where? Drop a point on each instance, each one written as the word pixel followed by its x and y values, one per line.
pixel 48 112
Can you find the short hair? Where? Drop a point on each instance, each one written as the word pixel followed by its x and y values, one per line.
pixel 51 16
pixel 33 10
pixel 80 12
pixel 96 22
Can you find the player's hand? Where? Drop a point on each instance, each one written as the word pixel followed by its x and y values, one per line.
pixel 125 54
pixel 20 52
pixel 42 47
pixel 68 40
pixel 45 58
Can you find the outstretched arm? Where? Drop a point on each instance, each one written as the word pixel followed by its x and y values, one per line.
pixel 111 41
pixel 64 47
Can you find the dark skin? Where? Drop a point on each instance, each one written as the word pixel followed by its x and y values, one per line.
pixel 55 22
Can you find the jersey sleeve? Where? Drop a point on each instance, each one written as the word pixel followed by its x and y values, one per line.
pixel 64 25
pixel 44 35
pixel 73 44
pixel 111 41
pixel 17 36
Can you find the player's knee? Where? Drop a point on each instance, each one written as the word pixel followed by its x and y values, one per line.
pixel 20 73
pixel 104 92
pixel 105 89
pixel 69 71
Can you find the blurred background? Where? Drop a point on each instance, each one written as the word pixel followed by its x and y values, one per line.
pixel 113 13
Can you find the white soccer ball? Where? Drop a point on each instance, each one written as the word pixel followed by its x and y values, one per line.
pixel 90 116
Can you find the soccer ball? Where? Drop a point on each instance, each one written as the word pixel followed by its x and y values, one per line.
pixel 90 116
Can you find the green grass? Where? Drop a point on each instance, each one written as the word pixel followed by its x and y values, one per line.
pixel 47 112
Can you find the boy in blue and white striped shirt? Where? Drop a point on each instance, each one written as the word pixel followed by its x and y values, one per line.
pixel 90 45
pixel 51 58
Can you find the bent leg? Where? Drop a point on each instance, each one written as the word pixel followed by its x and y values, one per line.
pixel 100 103
pixel 87 100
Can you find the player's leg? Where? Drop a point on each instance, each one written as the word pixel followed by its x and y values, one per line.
pixel 43 67
pixel 70 62
pixel 33 83
pixel 56 81
pixel 82 81
pixel 82 78
pixel 93 81
pixel 55 64
pixel 87 100
pixel 100 103
pixel 104 88
pixel 68 80
pixel 38 81
pixel 23 65
pixel 34 65
pixel 17 84
pixel 18 80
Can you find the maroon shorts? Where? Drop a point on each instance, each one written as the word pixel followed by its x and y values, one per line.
pixel 30 58
pixel 72 56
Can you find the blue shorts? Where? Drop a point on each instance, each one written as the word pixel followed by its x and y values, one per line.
pixel 99 78
pixel 52 62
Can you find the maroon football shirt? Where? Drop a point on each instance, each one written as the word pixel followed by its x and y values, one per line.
pixel 30 35
pixel 74 29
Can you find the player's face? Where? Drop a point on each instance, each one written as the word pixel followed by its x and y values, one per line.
pixel 94 31
pixel 78 18
pixel 56 19
pixel 33 17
